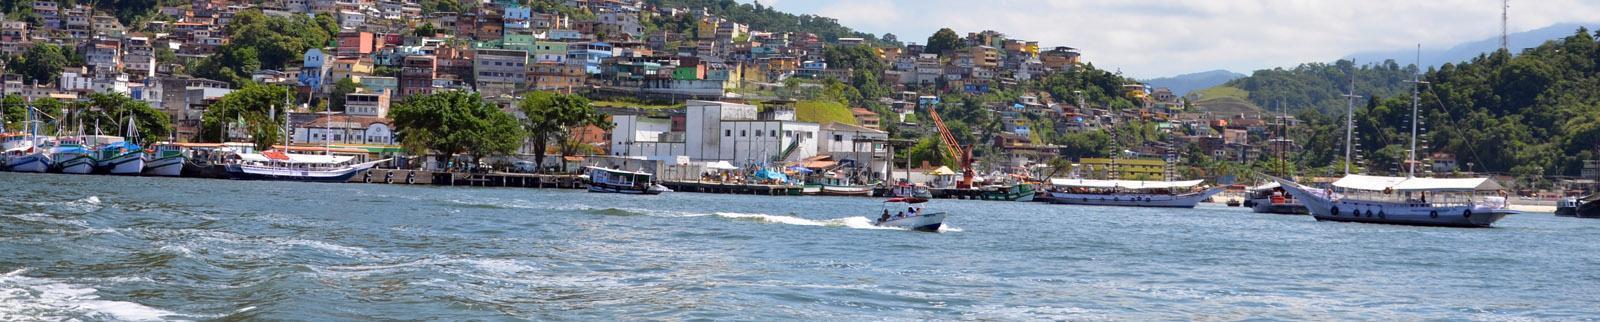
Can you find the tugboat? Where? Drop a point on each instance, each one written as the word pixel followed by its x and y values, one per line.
pixel 914 217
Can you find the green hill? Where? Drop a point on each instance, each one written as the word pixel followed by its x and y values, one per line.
pixel 822 112
pixel 1223 100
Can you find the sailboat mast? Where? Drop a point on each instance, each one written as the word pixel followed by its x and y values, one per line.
pixel 1416 102
pixel 1349 119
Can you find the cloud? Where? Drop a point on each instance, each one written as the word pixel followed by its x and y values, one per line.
pixel 1159 38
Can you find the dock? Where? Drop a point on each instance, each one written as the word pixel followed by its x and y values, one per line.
pixel 511 180
pixel 730 188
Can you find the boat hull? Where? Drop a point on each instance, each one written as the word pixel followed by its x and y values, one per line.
pixel 1324 208
pixel 165 167
pixel 1590 209
pixel 1188 200
pixel 927 222
pixel 126 164
pixel 239 172
pixel 845 191
pixel 632 190
pixel 1265 206
pixel 37 163
pixel 82 164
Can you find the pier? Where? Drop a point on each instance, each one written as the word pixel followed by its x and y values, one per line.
pixel 512 180
pixel 729 188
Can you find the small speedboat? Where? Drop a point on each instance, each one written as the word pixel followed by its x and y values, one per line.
pixel 914 217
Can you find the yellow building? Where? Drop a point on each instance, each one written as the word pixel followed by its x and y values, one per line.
pixel 350 67
pixel 707 28
pixel 1126 169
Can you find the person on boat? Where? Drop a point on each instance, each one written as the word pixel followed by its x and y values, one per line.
pixel 900 214
pixel 885 216
pixel 911 212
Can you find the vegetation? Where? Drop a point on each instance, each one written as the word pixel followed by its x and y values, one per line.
pixel 259 108
pixel 550 119
pixel 41 64
pixel 260 42
pixel 110 111
pixel 942 42
pixel 822 111
pixel 336 97
pixel 766 18
pixel 452 122
pixel 1528 115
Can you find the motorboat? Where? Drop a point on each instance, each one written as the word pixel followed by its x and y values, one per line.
pixel 1130 193
pixel 913 217
pixel 624 182
pixel 1271 198
pixel 166 161
pixel 123 158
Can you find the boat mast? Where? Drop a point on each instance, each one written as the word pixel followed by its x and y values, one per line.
pixel 1416 90
pixel 1349 118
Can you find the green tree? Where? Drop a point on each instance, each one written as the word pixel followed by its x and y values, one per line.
pixel 343 87
pixel 942 42
pixel 259 108
pixel 41 64
pixel 111 111
pixel 15 109
pixel 259 41
pixel 550 119
pixel 452 122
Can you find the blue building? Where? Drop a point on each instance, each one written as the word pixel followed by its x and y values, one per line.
pixel 316 68
pixel 591 54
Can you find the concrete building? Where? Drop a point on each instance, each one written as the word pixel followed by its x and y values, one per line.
pixel 417 74
pixel 500 71
pixel 716 131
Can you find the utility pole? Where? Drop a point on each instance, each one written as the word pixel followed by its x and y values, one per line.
pixel 1349 118
pixel 1505 40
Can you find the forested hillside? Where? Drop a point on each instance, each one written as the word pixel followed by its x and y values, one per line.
pixel 1535 113
pixel 766 18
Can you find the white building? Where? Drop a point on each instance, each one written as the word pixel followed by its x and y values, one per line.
pixel 343 129
pixel 716 131
pixel 845 142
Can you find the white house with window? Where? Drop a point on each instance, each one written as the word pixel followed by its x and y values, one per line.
pixel 338 128
pixel 855 143
pixel 716 131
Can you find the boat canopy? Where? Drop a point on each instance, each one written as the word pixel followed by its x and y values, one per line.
pixel 721 165
pixel 295 158
pixel 120 145
pixel 610 170
pixel 1125 184
pixel 1379 183
pixel 1268 186
pixel 942 171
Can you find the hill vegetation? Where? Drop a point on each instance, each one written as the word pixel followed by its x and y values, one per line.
pixel 823 111
pixel 765 18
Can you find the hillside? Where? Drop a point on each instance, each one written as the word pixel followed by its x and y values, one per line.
pixel 1433 57
pixel 822 112
pixel 1223 100
pixel 1322 86
pixel 765 18
pixel 1186 83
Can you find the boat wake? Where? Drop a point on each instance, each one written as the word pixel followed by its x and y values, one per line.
pixel 26 298
pixel 857 222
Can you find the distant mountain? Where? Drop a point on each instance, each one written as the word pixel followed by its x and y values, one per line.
pixel 1183 84
pixel 1466 51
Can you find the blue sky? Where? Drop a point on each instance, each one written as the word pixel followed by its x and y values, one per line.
pixel 1157 38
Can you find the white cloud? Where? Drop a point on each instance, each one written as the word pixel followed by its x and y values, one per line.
pixel 1160 38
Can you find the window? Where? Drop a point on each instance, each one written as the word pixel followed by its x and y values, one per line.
pixel 774 133
pixel 838 138
pixel 727 133
pixel 758 133
pixel 788 133
pixel 742 133
pixel 810 135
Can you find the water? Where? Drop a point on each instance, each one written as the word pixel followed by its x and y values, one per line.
pixel 98 247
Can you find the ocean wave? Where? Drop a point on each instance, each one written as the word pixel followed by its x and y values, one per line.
pixel 28 298
pixel 857 222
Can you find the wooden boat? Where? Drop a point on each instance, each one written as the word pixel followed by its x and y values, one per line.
pixel 624 182
pixel 166 161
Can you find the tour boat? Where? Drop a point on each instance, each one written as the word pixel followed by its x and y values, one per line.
pixel 1450 202
pixel 1016 192
pixel 1131 193
pixel 167 161
pixel 1271 198
pixel 278 165
pixel 914 217
pixel 123 158
pixel 625 182
pixel 70 156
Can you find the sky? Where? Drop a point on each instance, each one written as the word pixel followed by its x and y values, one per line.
pixel 1157 38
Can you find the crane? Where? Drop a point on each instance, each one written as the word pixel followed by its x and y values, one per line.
pixel 963 155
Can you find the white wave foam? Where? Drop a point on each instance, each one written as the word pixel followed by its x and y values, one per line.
pixel 93 200
pixel 28 298
pixel 857 222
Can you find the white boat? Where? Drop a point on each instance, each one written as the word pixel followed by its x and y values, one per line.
pixel 914 217
pixel 167 161
pixel 1130 193
pixel 832 190
pixel 124 158
pixel 1271 198
pixel 1464 202
pixel 282 166
pixel 23 153
pixel 71 157
pixel 625 182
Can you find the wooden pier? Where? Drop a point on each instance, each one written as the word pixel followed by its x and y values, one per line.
pixel 515 180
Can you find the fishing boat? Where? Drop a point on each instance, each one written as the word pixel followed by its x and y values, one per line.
pixel 21 153
pixel 832 190
pixel 278 165
pixel 1581 207
pixel 1013 192
pixel 1130 193
pixel 70 156
pixel 124 158
pixel 908 190
pixel 166 161
pixel 1271 198
pixel 914 217
pixel 625 182
pixel 1567 207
